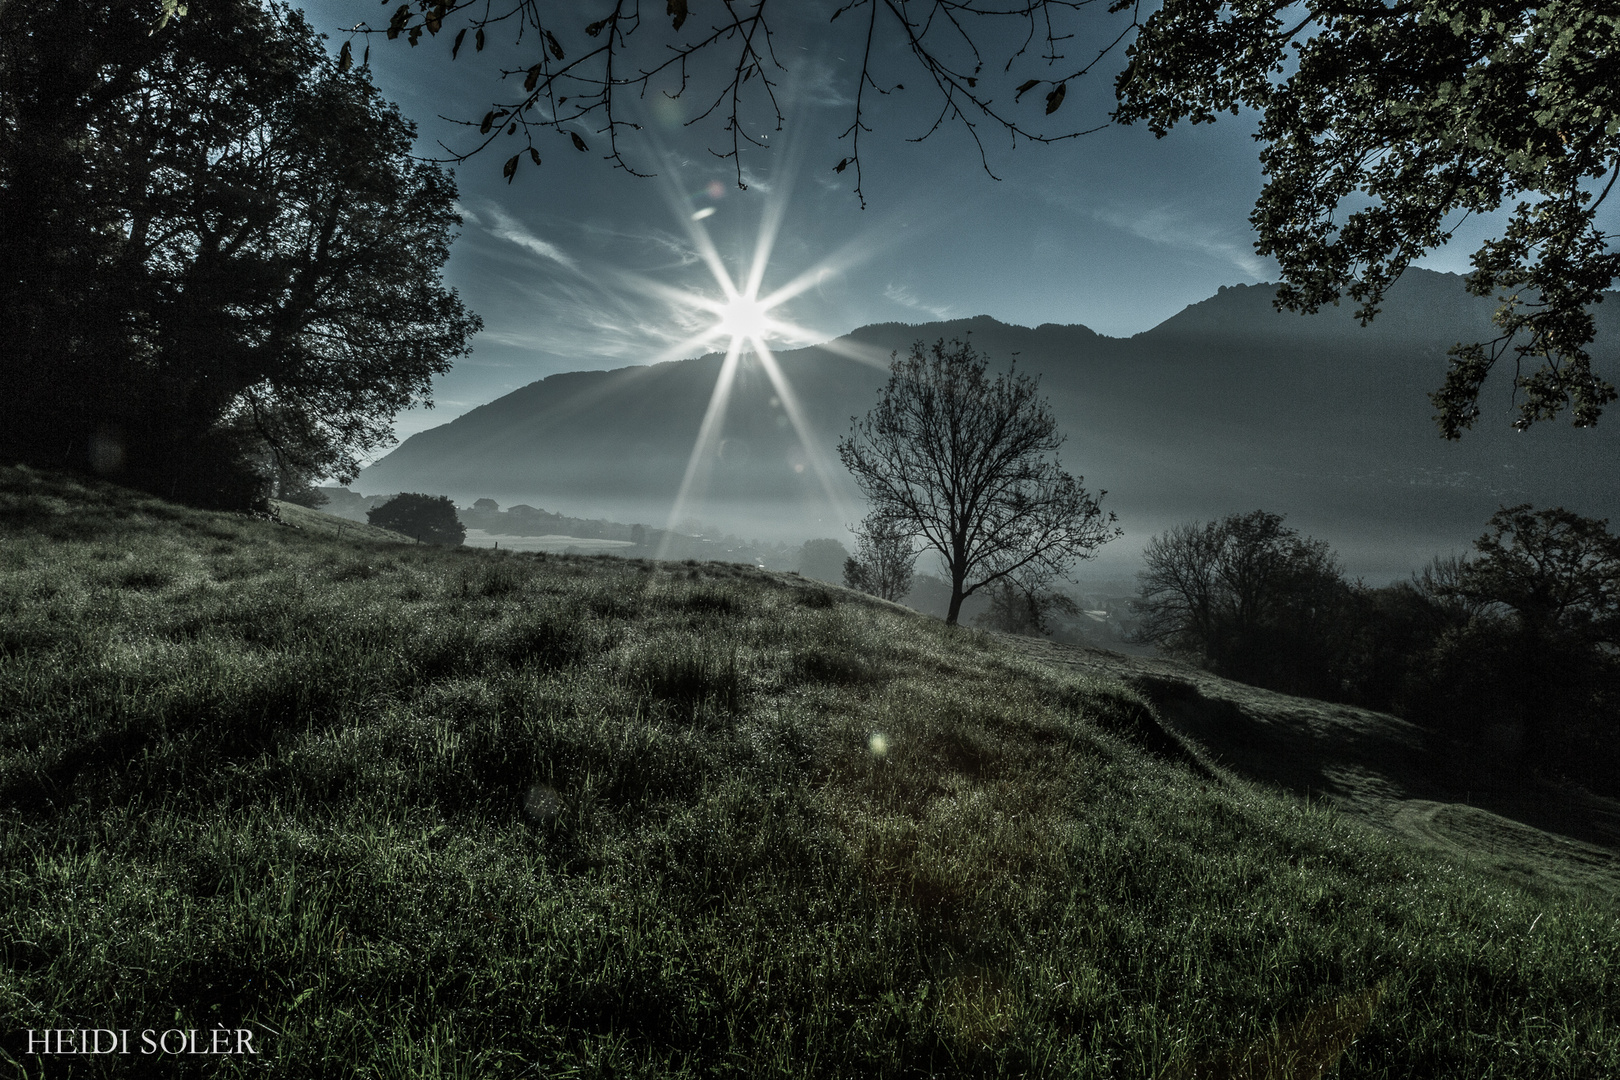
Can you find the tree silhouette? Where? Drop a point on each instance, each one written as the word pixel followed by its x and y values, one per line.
pixel 1248 597
pixel 823 560
pixel 429 518
pixel 1418 114
pixel 221 261
pixel 968 466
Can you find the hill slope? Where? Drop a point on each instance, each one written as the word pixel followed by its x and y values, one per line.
pixel 405 811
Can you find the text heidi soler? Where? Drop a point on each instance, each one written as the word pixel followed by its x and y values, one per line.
pixel 150 1041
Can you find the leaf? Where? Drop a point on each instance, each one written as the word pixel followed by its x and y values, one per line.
pixel 595 27
pixel 533 77
pixel 415 35
pixel 677 12
pixel 579 143
pixel 513 129
pixel 509 170
pixel 535 155
pixel 434 24
pixel 457 46
pixel 489 120
pixel 973 82
pixel 556 49
pixel 478 40
pixel 365 58
pixel 1055 98
pixel 1026 88
pixel 345 57
pixel 841 166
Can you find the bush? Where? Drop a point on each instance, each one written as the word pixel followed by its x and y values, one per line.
pixel 823 560
pixel 431 519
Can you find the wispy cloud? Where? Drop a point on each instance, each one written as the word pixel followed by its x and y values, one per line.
pixel 1177 228
pixel 640 239
pixel 902 295
pixel 510 229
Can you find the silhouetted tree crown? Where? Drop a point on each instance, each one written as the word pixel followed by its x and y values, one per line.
pixel 967 466
pixel 1383 125
pixel 429 518
pixel 221 260
pixel 1558 572
pixel 1248 597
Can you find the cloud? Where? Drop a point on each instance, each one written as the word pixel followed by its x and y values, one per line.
pixel 902 295
pixel 1171 227
pixel 510 229
pixel 640 239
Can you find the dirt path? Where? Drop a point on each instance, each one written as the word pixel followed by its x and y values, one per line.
pixel 1374 766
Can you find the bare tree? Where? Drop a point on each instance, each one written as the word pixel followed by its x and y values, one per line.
pixel 969 466
pixel 1025 607
pixel 883 560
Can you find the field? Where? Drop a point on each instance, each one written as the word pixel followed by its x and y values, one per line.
pixel 402 811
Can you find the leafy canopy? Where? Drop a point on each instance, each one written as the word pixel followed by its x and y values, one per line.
pixel 1383 126
pixel 429 518
pixel 218 241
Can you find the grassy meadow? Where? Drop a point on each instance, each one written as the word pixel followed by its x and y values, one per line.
pixel 405 811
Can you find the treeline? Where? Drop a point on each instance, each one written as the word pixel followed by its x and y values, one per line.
pixel 524 520
pixel 1513 651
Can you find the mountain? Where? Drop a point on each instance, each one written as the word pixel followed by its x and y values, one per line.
pixel 1226 406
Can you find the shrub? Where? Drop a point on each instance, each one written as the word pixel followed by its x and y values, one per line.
pixel 429 518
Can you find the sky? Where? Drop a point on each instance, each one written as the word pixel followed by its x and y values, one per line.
pixel 570 265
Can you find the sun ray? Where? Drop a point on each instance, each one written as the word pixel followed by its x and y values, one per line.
pixel 796 417
pixel 708 436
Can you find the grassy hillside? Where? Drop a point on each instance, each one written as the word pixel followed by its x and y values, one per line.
pixel 414 812
pixel 320 523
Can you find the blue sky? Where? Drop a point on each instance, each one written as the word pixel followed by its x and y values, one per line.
pixel 1116 230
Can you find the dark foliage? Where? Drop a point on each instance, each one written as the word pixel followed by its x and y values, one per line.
pixel 1509 654
pixel 1249 598
pixel 221 263
pixel 1419 114
pixel 429 518
pixel 823 560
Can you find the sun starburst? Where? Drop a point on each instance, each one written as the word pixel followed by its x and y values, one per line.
pixel 746 323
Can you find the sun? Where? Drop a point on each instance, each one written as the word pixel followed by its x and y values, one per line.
pixel 744 318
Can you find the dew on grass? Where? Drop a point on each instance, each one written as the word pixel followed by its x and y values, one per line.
pixel 878 744
pixel 540 802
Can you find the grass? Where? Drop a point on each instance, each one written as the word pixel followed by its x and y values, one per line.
pixel 415 812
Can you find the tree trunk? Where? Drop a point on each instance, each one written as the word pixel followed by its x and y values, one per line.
pixel 958 577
